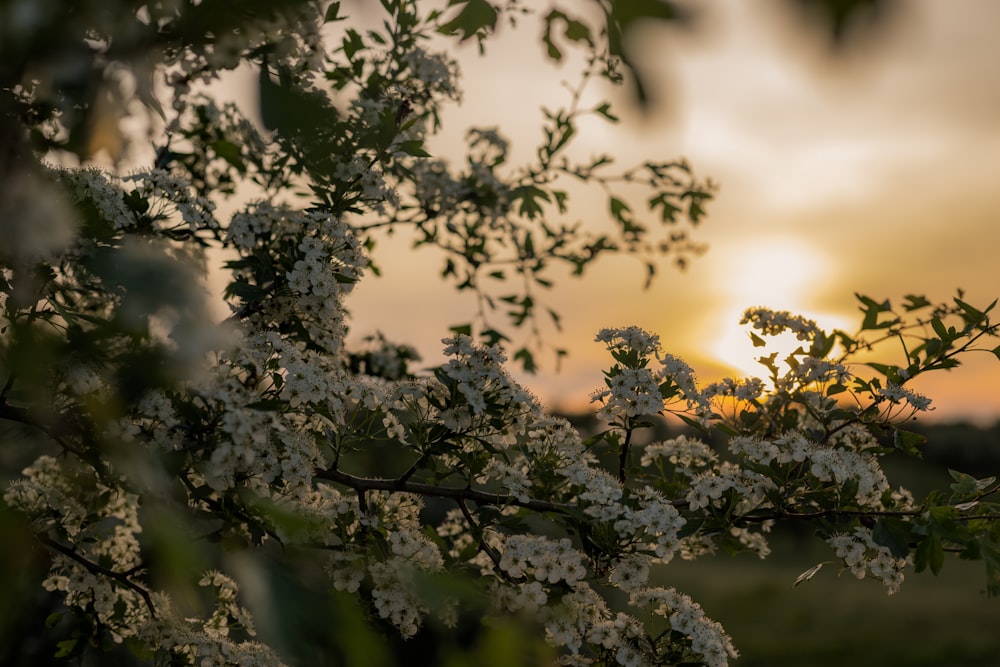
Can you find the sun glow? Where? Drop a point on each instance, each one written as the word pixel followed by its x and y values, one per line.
pixel 780 273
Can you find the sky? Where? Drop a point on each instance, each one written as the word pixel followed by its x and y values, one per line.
pixel 871 170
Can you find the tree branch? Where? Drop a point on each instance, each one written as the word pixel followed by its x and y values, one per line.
pixel 22 416
pixel 362 484
pixel 821 514
pixel 94 568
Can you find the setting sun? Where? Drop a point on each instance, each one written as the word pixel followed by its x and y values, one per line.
pixel 780 273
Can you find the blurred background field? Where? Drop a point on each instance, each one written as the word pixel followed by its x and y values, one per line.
pixel 833 619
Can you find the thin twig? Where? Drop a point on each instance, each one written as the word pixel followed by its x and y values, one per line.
pixel 20 415
pixel 623 456
pixel 94 568
pixel 484 546
pixel 412 469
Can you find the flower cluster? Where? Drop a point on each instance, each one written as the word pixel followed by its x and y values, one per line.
pixel 213 640
pixel 371 182
pixel 631 392
pixel 630 339
pixel 436 73
pixel 897 393
pixel 684 386
pixel 386 359
pixel 687 455
pixel 395 593
pixel 319 259
pixel 164 191
pixel 862 555
pixel 54 496
pixel 685 616
pixel 477 372
pixel 544 559
pixel 102 190
pixel 636 390
pixel 292 37
pixel 826 463
pixel 774 322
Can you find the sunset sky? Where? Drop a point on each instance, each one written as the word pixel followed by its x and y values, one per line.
pixel 873 170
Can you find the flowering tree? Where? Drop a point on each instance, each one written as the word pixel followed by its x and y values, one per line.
pixel 253 492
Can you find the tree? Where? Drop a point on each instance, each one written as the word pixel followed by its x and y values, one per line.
pixel 252 492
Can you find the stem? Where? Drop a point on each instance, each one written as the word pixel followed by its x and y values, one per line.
pixel 412 469
pixel 831 512
pixel 362 484
pixel 6 387
pixel 623 456
pixel 94 568
pixel 483 546
pixel 862 513
pixel 20 415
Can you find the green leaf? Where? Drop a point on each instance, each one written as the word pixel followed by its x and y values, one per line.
pixel 908 442
pixel 849 489
pixel 929 553
pixel 943 332
pixel 556 319
pixel 352 43
pixel 936 556
pixel 65 648
pixel 622 16
pixel 529 196
pixel 632 11
pixel 887 370
pixel 229 152
pixel 245 290
pixel 414 147
pixel 872 309
pixel 893 534
pixel 529 245
pixel 493 337
pixel 966 485
pixel 695 209
pixel 768 362
pixel 693 423
pixel 461 329
pixel 475 16
pixel 527 360
pixel 293 112
pixel 969 314
pixel 331 13
pixel 561 198
pixel 991 556
pixel 575 32
pixel 915 302
pixel 605 110
pixel 619 209
pixel 668 210
pixel 269 405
